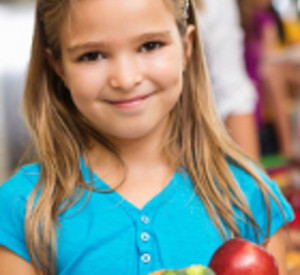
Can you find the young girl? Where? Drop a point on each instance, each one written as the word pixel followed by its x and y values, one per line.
pixel 136 173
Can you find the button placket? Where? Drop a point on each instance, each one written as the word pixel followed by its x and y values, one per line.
pixel 144 236
pixel 145 219
pixel 145 258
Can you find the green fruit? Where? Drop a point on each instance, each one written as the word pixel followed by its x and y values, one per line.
pixel 173 272
pixel 199 270
pixel 208 271
pixel 192 270
pixel 195 270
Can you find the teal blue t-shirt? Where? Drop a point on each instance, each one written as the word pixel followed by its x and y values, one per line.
pixel 109 235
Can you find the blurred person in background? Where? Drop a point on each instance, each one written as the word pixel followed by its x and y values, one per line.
pixel 273 78
pixel 234 93
pixel 264 37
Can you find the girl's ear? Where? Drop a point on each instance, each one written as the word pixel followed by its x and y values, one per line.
pixel 188 41
pixel 55 64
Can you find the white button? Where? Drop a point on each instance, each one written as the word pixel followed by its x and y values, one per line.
pixel 145 219
pixel 145 237
pixel 145 258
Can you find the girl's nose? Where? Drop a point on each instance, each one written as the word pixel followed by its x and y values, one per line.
pixel 125 74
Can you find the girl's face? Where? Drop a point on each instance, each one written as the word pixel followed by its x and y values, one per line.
pixel 123 63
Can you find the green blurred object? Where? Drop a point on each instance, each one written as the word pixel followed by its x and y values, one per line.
pixel 174 272
pixel 274 161
pixel 199 270
pixel 192 270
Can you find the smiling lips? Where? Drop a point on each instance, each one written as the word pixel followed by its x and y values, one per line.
pixel 129 103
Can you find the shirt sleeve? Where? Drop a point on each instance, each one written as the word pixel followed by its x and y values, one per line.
pixel 281 211
pixel 13 198
pixel 224 48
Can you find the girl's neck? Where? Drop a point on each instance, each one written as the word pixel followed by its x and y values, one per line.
pixel 147 169
pixel 146 151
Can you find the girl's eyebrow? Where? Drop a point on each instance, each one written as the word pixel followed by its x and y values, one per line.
pixel 86 46
pixel 153 36
pixel 143 37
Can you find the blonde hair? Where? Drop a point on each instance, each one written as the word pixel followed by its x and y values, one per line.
pixel 61 135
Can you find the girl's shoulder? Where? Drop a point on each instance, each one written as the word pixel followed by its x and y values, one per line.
pixel 249 185
pixel 240 172
pixel 253 191
pixel 14 194
pixel 280 211
pixel 243 177
pixel 22 182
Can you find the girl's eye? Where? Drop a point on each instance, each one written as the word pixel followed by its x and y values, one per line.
pixel 91 56
pixel 151 46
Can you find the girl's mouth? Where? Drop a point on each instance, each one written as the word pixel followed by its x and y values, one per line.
pixel 129 103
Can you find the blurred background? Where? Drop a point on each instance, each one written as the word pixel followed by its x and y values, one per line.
pixel 272 60
pixel 16 24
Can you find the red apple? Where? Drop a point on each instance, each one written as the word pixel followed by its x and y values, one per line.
pixel 238 256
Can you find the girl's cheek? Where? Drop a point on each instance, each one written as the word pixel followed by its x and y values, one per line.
pixel 167 71
pixel 86 86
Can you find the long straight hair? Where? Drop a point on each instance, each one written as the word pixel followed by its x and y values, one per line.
pixel 61 135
